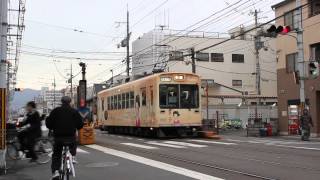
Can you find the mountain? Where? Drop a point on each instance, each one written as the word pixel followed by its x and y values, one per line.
pixel 22 97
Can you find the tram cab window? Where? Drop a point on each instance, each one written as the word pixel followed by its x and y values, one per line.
pixel 127 100
pixel 168 96
pixel 189 96
pixel 123 101
pixel 131 99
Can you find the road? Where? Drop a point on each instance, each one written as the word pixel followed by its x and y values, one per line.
pixel 232 158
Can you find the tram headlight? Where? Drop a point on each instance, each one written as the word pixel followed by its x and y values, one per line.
pixel 178 77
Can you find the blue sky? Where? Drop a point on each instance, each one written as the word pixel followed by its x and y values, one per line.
pixel 54 25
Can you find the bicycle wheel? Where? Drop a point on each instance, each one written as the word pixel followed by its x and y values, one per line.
pixel 12 152
pixel 43 149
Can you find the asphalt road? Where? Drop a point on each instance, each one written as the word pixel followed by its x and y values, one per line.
pixel 120 157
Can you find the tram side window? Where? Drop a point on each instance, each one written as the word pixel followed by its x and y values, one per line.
pixel 102 104
pixel 119 101
pixel 168 96
pixel 111 102
pixel 131 99
pixel 189 96
pixel 108 102
pixel 127 100
pixel 115 105
pixel 151 96
pixel 123 101
pixel 144 97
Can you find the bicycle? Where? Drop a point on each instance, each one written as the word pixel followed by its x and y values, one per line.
pixel 42 147
pixel 67 167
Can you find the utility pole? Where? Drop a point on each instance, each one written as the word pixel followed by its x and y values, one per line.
pixel 111 76
pixel 193 60
pixel 257 42
pixel 3 43
pixel 54 92
pixel 128 45
pixel 71 86
pixel 300 56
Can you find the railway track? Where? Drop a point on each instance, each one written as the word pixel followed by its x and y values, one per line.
pixel 191 162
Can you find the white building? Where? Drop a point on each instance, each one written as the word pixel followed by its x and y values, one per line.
pixel 230 65
pixel 50 98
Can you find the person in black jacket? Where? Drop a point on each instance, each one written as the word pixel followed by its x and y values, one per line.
pixel 64 121
pixel 28 136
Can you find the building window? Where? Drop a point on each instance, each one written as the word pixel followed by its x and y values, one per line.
pixel 289 19
pixel 176 56
pixel 237 58
pixel 291 62
pixel 217 57
pixel 315 52
pixel 237 83
pixel 314 7
pixel 202 56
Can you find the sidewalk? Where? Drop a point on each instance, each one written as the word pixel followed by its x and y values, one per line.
pixel 243 133
pixel 93 165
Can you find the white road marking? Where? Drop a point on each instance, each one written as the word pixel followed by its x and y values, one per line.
pixel 140 139
pixel 211 142
pixel 298 147
pixel 129 138
pixel 156 164
pixel 185 144
pixel 82 151
pixel 166 145
pixel 139 146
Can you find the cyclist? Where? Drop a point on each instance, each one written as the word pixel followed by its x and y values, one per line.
pixel 32 131
pixel 63 121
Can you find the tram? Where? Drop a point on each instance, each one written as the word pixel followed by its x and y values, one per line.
pixel 161 105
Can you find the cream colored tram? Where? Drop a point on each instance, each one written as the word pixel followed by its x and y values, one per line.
pixel 163 104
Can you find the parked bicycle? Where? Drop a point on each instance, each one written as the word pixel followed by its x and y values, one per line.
pixel 67 167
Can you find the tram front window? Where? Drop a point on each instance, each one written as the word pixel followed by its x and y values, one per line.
pixel 171 97
pixel 189 96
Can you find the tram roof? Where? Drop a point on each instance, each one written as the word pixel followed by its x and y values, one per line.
pixel 148 77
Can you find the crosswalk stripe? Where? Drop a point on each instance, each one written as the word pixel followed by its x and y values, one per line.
pixel 185 144
pixel 82 151
pixel 155 164
pixel 139 146
pixel 212 142
pixel 166 145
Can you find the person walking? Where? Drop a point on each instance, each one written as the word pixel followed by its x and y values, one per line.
pixel 305 122
pixel 28 136
pixel 64 121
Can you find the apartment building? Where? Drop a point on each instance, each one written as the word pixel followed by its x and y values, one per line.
pixel 288 90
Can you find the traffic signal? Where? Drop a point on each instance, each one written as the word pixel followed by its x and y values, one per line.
pixel 313 69
pixel 273 31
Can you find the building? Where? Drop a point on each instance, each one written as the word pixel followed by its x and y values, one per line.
pixel 228 68
pixel 49 99
pixel 288 90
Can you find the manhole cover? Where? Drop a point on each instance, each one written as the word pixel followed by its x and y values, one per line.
pixel 102 164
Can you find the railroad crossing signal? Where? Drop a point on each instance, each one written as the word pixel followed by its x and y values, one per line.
pixel 17 89
pixel 313 69
pixel 273 31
